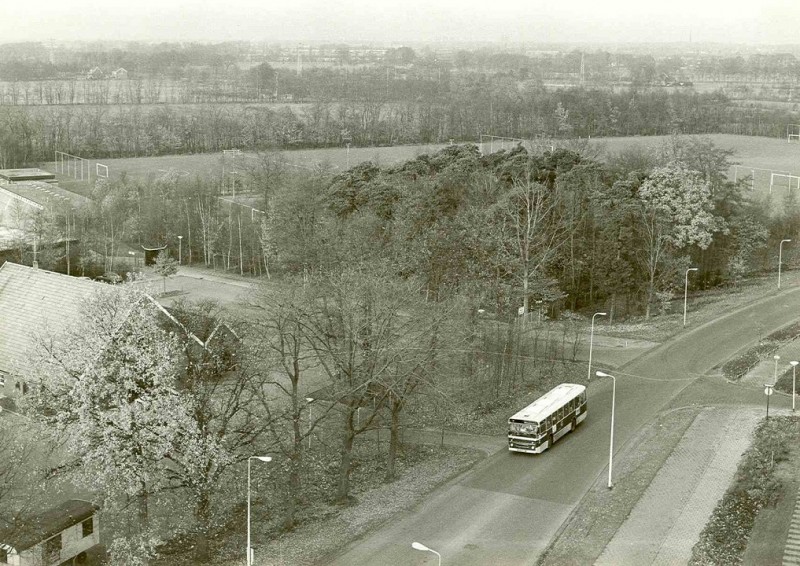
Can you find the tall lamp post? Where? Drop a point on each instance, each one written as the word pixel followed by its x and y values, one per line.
pixel 591 343
pixel 309 400
pixel 686 291
pixel 767 392
pixel 611 441
pixel 249 549
pixel 422 547
pixel 794 376
pixel 180 250
pixel 775 378
pixel 780 260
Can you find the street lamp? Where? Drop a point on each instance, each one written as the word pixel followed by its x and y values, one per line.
pixel 250 550
pixel 180 250
pixel 775 380
pixel 794 375
pixel 611 442
pixel 420 546
pixel 780 260
pixel 686 291
pixel 591 343
pixel 309 400
pixel 767 392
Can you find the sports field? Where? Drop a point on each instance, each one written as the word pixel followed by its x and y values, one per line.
pixel 765 154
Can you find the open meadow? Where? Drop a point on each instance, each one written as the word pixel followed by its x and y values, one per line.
pixel 752 154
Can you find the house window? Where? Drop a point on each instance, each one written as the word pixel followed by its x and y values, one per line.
pixel 88 527
pixel 52 548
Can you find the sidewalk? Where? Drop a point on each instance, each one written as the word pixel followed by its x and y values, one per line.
pixel 667 520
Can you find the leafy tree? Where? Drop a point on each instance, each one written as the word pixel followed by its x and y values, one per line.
pixel 166 266
pixel 676 212
pixel 109 383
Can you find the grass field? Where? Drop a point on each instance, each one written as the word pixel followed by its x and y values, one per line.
pixel 760 153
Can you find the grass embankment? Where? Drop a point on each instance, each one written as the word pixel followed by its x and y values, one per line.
pixel 765 477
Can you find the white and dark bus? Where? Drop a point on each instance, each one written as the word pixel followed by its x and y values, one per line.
pixel 535 428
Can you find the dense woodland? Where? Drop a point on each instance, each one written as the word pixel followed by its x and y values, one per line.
pixel 505 229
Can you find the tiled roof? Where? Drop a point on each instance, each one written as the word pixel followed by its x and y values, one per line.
pixel 33 300
pixel 41 527
pixel 45 194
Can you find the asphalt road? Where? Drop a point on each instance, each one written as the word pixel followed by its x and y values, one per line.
pixel 506 510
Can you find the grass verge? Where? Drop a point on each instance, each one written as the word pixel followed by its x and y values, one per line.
pixel 595 520
pixel 759 483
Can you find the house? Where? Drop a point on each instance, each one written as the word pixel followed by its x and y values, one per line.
pixel 95 73
pixel 18 200
pixel 63 533
pixel 33 300
pixel 38 301
pixel 119 74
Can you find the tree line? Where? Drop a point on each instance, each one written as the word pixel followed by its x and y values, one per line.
pixel 499 107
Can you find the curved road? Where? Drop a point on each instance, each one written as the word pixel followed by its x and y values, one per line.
pixel 506 510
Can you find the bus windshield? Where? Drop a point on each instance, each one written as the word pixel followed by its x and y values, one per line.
pixel 523 427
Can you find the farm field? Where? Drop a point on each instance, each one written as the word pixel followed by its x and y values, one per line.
pixel 749 152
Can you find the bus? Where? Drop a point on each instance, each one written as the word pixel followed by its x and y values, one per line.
pixel 535 428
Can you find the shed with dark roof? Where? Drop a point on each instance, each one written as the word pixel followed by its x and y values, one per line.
pixel 58 534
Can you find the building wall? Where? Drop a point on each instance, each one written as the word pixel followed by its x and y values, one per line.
pixel 72 543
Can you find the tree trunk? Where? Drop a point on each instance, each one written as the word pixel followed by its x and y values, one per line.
pixel 348 437
pixel 202 513
pixel 394 441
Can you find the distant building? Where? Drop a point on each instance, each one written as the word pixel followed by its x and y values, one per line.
pixel 119 74
pixel 95 73
pixel 33 174
pixel 20 201
pixel 60 534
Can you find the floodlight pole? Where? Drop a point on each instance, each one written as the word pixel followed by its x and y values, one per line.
pixel 794 375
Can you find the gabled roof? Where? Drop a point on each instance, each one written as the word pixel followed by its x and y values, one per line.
pixel 40 527
pixel 32 300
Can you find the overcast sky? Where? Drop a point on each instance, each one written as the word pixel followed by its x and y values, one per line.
pixel 398 21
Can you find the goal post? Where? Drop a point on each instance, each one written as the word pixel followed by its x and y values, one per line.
pixel 72 166
pixel 792 132
pixel 777 179
pixel 101 171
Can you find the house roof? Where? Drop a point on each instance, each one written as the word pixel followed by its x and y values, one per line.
pixel 40 527
pixel 31 174
pixel 32 300
pixel 44 194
